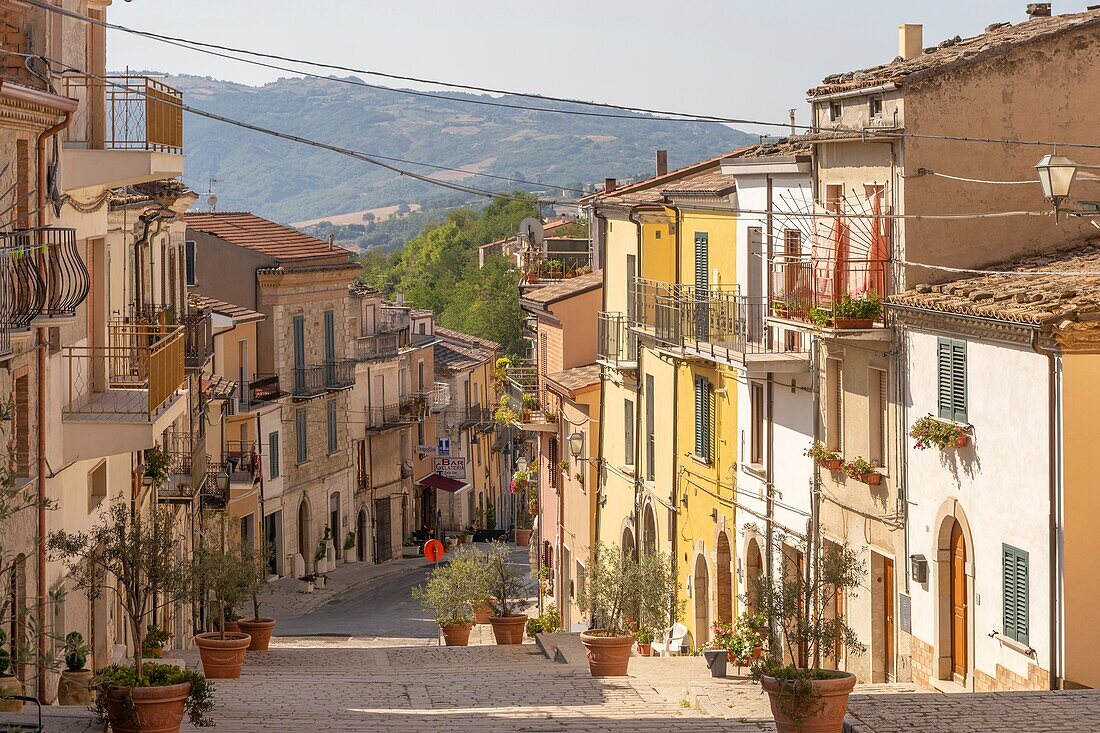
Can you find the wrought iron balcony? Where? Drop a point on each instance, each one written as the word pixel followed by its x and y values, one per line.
pixel 261 390
pixel 821 290
pixel 125 112
pixel 556 266
pixel 214 489
pixel 408 411
pixel 617 345
pixel 309 381
pixel 339 374
pixel 59 281
pixel 384 345
pixel 240 460
pixel 198 338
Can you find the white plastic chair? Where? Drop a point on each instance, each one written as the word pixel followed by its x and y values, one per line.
pixel 674 641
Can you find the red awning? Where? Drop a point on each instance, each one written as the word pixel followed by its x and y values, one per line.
pixel 443 483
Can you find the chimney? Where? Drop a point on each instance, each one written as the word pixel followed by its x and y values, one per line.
pixel 794 130
pixel 331 241
pixel 608 185
pixel 401 299
pixel 662 162
pixel 910 40
pixel 1038 10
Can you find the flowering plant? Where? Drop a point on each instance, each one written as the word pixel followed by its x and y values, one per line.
pixel 863 305
pixel 858 467
pixel 518 484
pixel 928 432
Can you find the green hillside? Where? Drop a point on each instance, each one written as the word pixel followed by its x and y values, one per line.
pixel 290 182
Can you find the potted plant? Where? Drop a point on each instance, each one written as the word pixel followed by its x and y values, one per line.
pixel 859 312
pixel 508 587
pixel 779 308
pixel 223 573
pixel 135 556
pixel 155 466
pixel 320 580
pixel 620 587
pixel 644 638
pixel 929 431
pixel 349 547
pixel 820 317
pixel 716 651
pixel 823 456
pixel 306 583
pixel 75 685
pixel 447 593
pixel 802 611
pixel 523 537
pixel 9 683
pixel 152 646
pixel 548 622
pixel 257 627
pixel 505 413
pixel 530 403
pixel 861 470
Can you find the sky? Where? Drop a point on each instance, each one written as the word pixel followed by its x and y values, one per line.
pixel 734 58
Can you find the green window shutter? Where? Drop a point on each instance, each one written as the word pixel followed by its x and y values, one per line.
pixel 951 379
pixel 1014 567
pixel 943 376
pixel 332 442
pixel 700 417
pixel 273 455
pixel 710 422
pixel 301 436
pixel 702 261
pixel 958 381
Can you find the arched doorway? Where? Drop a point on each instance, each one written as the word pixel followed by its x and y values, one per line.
pixel 361 536
pixel 754 572
pixel 724 578
pixel 627 546
pixel 957 592
pixel 649 531
pixel 304 540
pixel 702 601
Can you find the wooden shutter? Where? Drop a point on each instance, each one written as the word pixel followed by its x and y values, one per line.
pixel 299 342
pixel 1014 564
pixel 700 417
pixel 650 427
pixel 332 442
pixel 330 336
pixel 628 431
pixel 273 455
pixel 300 429
pixel 702 261
pixel 951 374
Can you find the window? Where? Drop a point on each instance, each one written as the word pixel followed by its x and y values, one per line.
pixel 951 360
pixel 555 471
pixel 97 484
pixel 875 107
pixel 300 424
pixel 190 277
pixel 330 337
pixel 834 111
pixel 650 428
pixel 876 402
pixel 1014 564
pixel 299 342
pixel 332 435
pixel 703 419
pixel 631 275
pixel 628 431
pixel 834 405
pixel 756 438
pixel 273 455
pixel 702 260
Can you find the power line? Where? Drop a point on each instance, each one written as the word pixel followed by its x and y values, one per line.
pixel 672 116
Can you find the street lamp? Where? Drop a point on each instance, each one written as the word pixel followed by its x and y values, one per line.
pixel 1056 174
pixel 576 444
pixel 521 464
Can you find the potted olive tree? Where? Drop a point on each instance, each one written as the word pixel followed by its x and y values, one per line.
pixel 223 572
pixel 807 628
pixel 621 588
pixel 255 583
pixel 75 685
pixel 134 556
pixel 447 593
pixel 510 591
pixel 9 683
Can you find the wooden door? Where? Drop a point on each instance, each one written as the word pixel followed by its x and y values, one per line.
pixel 959 624
pixel 888 616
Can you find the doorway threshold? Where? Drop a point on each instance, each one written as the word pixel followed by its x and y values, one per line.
pixel 948 687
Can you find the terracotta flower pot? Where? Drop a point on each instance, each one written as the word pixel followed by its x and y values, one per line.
pixel 608 656
pixel 853 322
pixel 75 687
pixel 10 685
pixel 523 537
pixel 508 629
pixel 871 479
pixel 260 631
pixel 826 711
pixel 456 634
pixel 155 709
pixel 232 627
pixel 833 465
pixel 222 659
pixel 481 615
pixel 645 650
pixel 962 440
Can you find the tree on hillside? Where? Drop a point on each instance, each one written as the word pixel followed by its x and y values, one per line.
pixel 486 304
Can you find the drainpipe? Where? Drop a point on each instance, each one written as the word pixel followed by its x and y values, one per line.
pixel 601 483
pixel 41 339
pixel 769 486
pixel 637 402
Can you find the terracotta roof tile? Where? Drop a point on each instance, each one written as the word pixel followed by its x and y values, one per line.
pixel 256 233
pixel 573 380
pixel 236 312
pixel 956 52
pixel 1031 299
pixel 465 338
pixel 563 289
pixel 649 190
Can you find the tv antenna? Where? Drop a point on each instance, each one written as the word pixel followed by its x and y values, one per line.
pixel 211 197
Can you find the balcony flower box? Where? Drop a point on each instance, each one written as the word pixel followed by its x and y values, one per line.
pixel 823 456
pixel 930 432
pixel 861 470
pixel 857 312
pixel 834 465
pixel 853 323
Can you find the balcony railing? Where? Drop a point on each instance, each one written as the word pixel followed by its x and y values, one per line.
pixel 138 113
pixel 383 345
pixel 340 374
pixel 240 460
pixel 440 397
pixel 261 390
pixel 807 288
pixel 524 376
pixel 7 302
pixel 407 411
pixel 198 338
pixel 50 278
pixel 561 266
pixel 136 374
pixel 214 489
pixel 616 344
pixel 478 416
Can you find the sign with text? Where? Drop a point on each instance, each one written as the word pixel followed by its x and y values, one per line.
pixel 451 467
pixel 425 450
pixel 443 446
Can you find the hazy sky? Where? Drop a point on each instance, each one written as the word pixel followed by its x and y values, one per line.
pixel 737 58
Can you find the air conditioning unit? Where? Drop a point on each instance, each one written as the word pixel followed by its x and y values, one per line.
pixel 232 405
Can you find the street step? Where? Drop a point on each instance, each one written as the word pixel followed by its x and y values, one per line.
pixel 562 648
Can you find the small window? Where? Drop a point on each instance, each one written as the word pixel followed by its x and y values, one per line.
pixel 97 484
pixel 875 105
pixel 628 431
pixel 332 435
pixel 756 438
pixel 951 387
pixel 834 404
pixel 1015 575
pixel 301 425
pixel 189 263
pixel 877 404
pixel 834 111
pixel 273 455
pixel 704 426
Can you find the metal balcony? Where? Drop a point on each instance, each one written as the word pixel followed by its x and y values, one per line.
pixel 240 461
pixel 125 112
pixel 616 345
pixel 50 277
pixel 339 374
pixel 385 345
pixel 214 489
pixel 259 391
pixel 808 289
pixel 408 411
pixel 198 338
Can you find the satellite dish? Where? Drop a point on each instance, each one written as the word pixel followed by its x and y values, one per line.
pixel 531 228
pixel 212 201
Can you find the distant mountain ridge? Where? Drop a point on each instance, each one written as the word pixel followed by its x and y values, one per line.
pixel 287 181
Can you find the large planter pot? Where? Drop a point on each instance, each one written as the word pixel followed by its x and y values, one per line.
pixel 508 629
pixel 608 656
pixel 154 709
pixel 10 685
pixel 456 634
pixel 523 538
pixel 222 659
pixel 260 631
pixel 349 556
pixel 826 710
pixel 232 627
pixel 481 615
pixel 75 687
pixel 716 662
pixel 645 650
pixel 853 322
pixel 305 586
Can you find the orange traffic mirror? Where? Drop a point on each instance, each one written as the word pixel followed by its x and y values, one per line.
pixel 433 550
